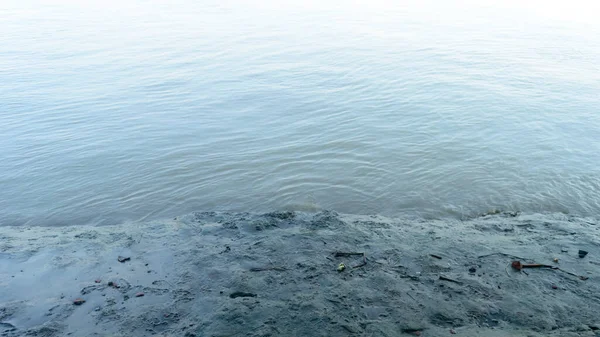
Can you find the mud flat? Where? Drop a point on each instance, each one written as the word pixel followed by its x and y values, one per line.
pixel 279 274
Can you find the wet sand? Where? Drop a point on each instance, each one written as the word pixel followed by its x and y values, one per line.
pixel 276 274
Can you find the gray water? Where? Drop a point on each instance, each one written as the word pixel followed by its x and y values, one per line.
pixel 131 110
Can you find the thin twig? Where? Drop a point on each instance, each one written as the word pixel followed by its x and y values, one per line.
pixel 444 278
pixel 583 278
pixel 344 254
pixel 545 266
pixel 503 254
pixel 538 266
pixel 268 268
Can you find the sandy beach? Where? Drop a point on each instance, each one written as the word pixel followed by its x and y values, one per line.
pixel 281 274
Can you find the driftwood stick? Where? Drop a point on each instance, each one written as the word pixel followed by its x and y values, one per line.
pixel 364 263
pixel 345 254
pixel 503 254
pixel 444 278
pixel 581 277
pixel 520 267
pixel 268 268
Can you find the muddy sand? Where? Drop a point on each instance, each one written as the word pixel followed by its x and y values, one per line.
pixel 276 274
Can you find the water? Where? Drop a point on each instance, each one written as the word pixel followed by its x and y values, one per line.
pixel 133 110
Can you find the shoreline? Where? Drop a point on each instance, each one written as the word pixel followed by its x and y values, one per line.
pixel 275 274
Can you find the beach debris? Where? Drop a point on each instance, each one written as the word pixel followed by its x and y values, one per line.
pixel 341 266
pixel 268 268
pixel 362 264
pixel 98 281
pixel 444 278
pixel 78 301
pixel 554 286
pixel 582 253
pixel 435 256
pixel 416 332
pixel 503 254
pixel 452 332
pixel 519 266
pixel 344 254
pixel 555 260
pixel 472 270
pixel 139 294
pixel 516 265
pixel 241 294
pixel 89 289
pixel 123 259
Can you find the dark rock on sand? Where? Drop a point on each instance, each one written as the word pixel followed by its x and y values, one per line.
pixel 241 294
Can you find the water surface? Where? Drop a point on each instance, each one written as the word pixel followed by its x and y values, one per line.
pixel 135 110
